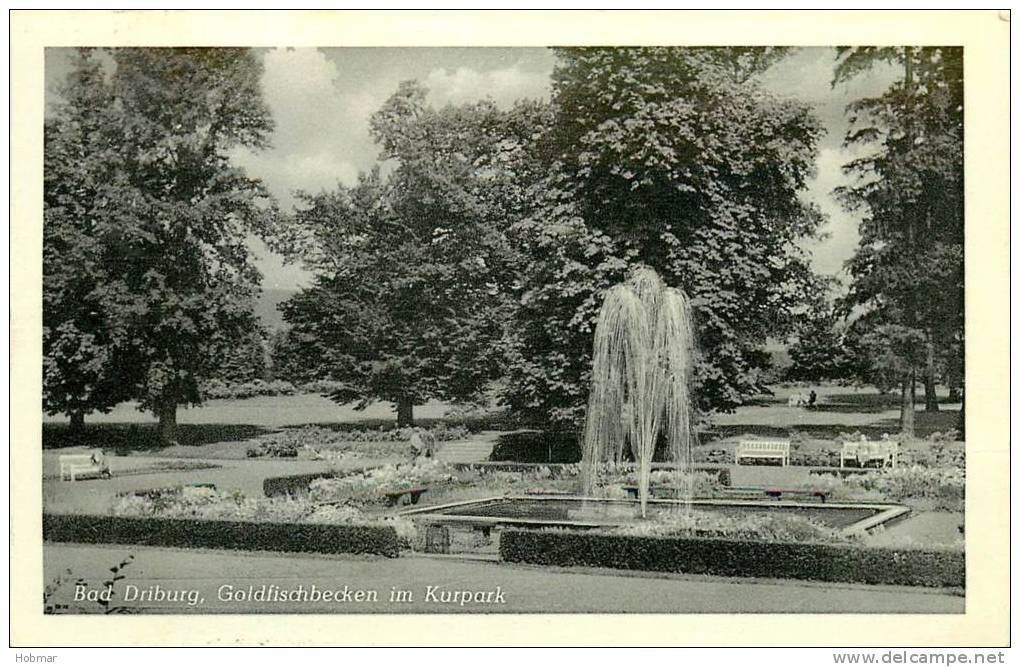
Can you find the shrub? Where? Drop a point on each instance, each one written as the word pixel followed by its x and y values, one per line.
pixel 291 485
pixel 325 387
pixel 714 455
pixel 538 447
pixel 217 388
pixel 272 449
pixel 951 435
pixel 740 558
pixel 406 530
pixel 819 458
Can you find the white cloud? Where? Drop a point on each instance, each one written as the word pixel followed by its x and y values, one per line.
pixel 806 76
pixel 285 173
pixel 842 227
pixel 321 102
pixel 503 86
pixel 321 107
pixel 302 89
pixel 321 135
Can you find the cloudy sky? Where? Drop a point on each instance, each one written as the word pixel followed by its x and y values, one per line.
pixel 321 100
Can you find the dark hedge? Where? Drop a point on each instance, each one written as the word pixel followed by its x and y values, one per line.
pixel 216 534
pixel 733 558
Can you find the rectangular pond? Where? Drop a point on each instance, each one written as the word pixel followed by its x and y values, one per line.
pixel 592 513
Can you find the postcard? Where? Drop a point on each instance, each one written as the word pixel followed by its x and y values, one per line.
pixel 506 327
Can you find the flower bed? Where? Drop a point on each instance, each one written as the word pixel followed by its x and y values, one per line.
pixel 207 504
pixel 933 488
pixel 779 528
pixel 737 558
pixel 946 487
pixel 367 487
pixel 325 443
pixel 814 449
pixel 317 435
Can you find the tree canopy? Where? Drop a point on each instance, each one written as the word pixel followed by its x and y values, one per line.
pixel 157 204
pixel 81 340
pixel 413 270
pixel 679 159
pixel 477 253
pixel 907 272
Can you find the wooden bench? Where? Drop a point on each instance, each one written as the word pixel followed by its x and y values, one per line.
pixel 393 498
pixel 763 449
pixel 864 452
pixel 73 466
pixel 777 494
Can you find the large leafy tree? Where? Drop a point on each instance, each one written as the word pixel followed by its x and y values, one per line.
pixel 908 268
pixel 171 222
pixel 81 173
pixel 413 269
pixel 678 159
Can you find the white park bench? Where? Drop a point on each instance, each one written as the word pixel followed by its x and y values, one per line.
pixel 73 466
pixel 864 452
pixel 764 449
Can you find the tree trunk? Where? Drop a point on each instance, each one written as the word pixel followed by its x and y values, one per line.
pixel 77 422
pixel 907 406
pixel 931 399
pixel 961 419
pixel 405 412
pixel 167 413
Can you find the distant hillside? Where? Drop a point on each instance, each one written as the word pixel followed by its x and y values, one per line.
pixel 266 307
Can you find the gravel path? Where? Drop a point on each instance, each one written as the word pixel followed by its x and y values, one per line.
pixel 95 496
pixel 525 589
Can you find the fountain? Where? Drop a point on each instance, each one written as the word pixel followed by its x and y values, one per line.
pixel 640 387
pixel 640 396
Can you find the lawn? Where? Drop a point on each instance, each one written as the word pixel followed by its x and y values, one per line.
pixel 267 411
pixel 225 429
pixel 218 436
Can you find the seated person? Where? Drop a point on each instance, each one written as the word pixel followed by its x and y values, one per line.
pixel 422 443
pixel 98 458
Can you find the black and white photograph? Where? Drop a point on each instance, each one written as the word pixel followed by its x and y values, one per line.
pixel 486 330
